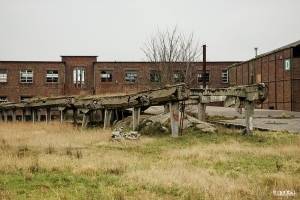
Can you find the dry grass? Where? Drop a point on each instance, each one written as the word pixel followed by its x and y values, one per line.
pixel 87 164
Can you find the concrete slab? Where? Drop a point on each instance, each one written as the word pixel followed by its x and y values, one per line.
pixel 263 119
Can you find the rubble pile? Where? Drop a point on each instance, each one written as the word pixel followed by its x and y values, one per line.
pixel 118 134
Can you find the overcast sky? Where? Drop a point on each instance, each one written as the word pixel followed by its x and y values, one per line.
pixel 115 30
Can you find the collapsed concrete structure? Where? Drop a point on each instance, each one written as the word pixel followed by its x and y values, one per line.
pixel 171 95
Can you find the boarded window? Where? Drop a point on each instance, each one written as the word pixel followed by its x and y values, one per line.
pixel 52 76
pixel 26 76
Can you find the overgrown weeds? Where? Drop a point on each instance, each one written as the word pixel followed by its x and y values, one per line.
pixel 50 161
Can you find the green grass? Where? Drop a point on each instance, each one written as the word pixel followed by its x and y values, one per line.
pixel 195 165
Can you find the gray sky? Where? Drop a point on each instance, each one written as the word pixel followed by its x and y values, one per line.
pixel 115 30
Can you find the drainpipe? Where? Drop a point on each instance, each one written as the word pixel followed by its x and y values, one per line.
pixel 204 66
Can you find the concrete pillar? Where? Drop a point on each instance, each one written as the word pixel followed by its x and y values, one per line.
pixel 14 117
pixel 63 113
pixel 175 118
pixel 5 115
pixel 33 115
pixel 38 115
pixel 202 111
pixel 107 118
pixel 75 113
pixel 136 117
pixel 23 115
pixel 249 112
pixel 48 114
pixel 86 119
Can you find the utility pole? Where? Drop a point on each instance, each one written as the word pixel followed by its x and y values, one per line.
pixel 204 66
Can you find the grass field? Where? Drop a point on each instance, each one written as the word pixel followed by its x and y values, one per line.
pixel 60 161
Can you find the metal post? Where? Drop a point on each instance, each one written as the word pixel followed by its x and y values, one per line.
pixel 204 66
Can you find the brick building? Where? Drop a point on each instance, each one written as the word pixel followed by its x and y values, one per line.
pixel 83 75
pixel 279 69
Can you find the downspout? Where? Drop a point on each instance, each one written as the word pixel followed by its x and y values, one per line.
pixel 94 87
pixel 275 58
pixel 64 69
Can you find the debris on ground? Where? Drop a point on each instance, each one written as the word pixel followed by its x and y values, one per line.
pixel 118 134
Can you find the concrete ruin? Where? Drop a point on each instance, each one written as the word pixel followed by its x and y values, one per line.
pixel 172 95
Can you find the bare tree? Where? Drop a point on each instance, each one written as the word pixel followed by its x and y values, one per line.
pixel 172 57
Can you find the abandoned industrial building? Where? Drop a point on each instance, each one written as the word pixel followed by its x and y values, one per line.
pixel 84 76
pixel 279 69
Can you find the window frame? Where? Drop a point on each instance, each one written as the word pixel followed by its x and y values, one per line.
pixel 180 76
pixel 79 76
pixel 3 75
pixel 223 72
pixel 106 79
pixel 3 99
pixel 200 77
pixel 52 78
pixel 155 76
pixel 133 78
pixel 25 76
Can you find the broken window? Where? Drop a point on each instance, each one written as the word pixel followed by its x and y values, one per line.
pixel 179 76
pixel 155 76
pixel 224 76
pixel 200 75
pixel 3 99
pixel 26 76
pixel 52 76
pixel 24 99
pixel 79 76
pixel 3 76
pixel 106 76
pixel 130 76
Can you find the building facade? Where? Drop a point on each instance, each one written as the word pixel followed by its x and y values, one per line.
pixel 85 76
pixel 279 69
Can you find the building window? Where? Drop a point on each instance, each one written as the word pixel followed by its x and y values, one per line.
pixel 26 76
pixel 52 76
pixel 224 76
pixel 155 76
pixel 3 99
pixel 200 76
pixel 3 76
pixel 179 76
pixel 79 76
pixel 23 99
pixel 106 76
pixel 130 76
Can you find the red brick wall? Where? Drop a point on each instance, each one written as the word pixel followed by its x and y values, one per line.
pixel 79 61
pixel 13 89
